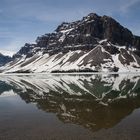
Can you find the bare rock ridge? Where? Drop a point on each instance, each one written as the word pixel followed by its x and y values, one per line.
pixel 94 43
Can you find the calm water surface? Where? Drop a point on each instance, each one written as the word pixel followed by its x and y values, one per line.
pixel 70 107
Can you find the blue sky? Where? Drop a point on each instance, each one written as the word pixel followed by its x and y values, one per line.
pixel 22 21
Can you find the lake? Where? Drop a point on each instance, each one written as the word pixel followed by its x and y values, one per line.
pixel 70 107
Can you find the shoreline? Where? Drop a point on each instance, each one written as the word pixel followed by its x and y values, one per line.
pixel 67 73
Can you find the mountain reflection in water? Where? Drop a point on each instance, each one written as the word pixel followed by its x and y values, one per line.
pixel 91 101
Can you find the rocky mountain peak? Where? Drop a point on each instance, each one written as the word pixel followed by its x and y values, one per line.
pixel 103 39
pixel 63 26
pixel 84 34
pixel 91 16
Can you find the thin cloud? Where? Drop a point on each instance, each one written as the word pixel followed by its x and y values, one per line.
pixel 14 44
pixel 6 34
pixel 1 11
pixel 126 7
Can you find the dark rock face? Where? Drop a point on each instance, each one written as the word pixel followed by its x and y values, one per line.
pixel 27 50
pixel 114 32
pixel 4 59
pixel 136 42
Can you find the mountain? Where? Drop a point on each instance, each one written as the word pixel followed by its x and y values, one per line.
pixel 92 101
pixel 94 43
pixel 4 59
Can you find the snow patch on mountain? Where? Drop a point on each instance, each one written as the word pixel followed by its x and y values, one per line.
pixel 97 59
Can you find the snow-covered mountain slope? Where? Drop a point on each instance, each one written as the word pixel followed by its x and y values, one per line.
pixel 98 59
pixel 95 43
pixel 75 98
